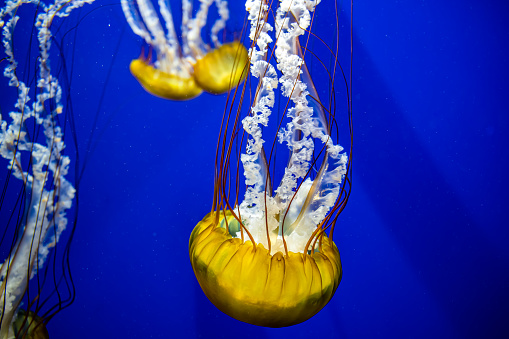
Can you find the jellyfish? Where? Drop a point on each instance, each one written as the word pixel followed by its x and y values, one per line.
pixel 184 72
pixel 32 145
pixel 270 259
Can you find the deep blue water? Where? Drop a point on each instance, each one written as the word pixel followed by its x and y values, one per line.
pixel 423 240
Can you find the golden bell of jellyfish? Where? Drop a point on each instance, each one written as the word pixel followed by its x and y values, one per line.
pixel 29 326
pixel 162 84
pixel 253 286
pixel 222 69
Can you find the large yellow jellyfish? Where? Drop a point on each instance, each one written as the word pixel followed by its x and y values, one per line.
pixel 37 159
pixel 182 73
pixel 268 260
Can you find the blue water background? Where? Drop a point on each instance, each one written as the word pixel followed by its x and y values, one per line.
pixel 423 240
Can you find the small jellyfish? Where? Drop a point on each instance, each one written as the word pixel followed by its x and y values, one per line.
pixel 38 195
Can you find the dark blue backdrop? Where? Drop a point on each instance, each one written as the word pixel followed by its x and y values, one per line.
pixel 424 237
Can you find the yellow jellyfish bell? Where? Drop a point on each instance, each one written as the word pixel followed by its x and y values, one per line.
pixel 183 71
pixel 251 285
pixel 269 259
pixel 29 326
pixel 162 84
pixel 222 69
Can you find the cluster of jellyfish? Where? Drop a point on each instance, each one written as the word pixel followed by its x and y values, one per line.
pixel 265 253
pixel 184 71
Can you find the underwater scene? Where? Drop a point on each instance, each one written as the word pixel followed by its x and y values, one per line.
pixel 254 168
